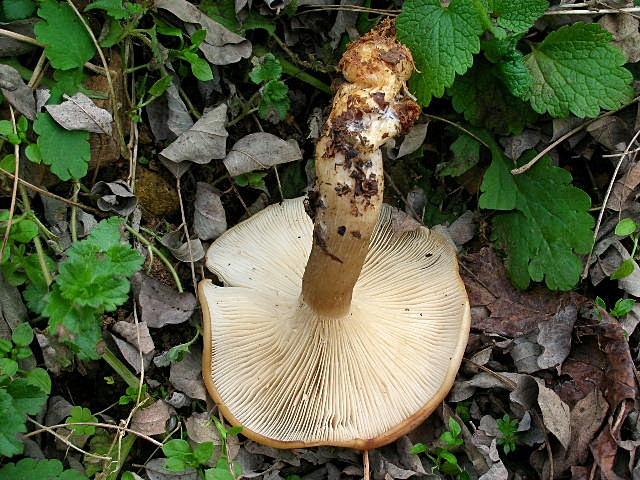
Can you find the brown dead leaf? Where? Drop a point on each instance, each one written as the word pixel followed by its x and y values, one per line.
pixel 513 313
pixel 201 429
pixel 162 305
pixel 186 376
pixel 152 420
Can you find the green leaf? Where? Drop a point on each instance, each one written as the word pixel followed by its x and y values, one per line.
pixel 27 398
pixel 11 423
pixel 33 153
pixel 550 228
pixel 418 448
pixel 203 452
pixel 577 69
pixel 518 15
pixel 176 448
pixel 24 231
pixel 22 335
pixel 68 45
pixel 114 8
pixel 466 154
pixel 160 86
pixel 267 68
pixel 40 378
pixel 67 82
pixel 107 233
pixel 8 366
pixel 626 227
pixel 82 415
pixel 17 9
pixel 175 464
pixel 8 163
pixel 510 65
pixel 114 32
pixel 67 153
pixel 622 307
pixel 454 427
pixel 201 69
pixel 624 270
pixel 486 102
pixel 223 12
pixel 275 102
pixel 31 469
pixel 442 40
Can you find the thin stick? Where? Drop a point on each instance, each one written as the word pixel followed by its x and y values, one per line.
pixel 99 425
pixel 532 162
pixel 14 190
pixel 51 195
pixel 186 232
pixel 593 12
pixel 604 203
pixel 453 124
pixel 51 430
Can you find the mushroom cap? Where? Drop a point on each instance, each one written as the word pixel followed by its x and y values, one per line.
pixel 293 379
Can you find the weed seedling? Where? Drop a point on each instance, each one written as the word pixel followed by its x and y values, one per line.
pixel 509 429
pixel 442 457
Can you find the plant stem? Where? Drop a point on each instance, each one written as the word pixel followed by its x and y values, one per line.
pixel 120 368
pixel 74 211
pixel 291 69
pixel 160 255
pixel 36 240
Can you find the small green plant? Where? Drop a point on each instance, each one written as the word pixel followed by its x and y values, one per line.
pixel 181 456
pixel 620 309
pixel 627 228
pixel 82 415
pixel 251 179
pixel 29 468
pixel 508 427
pixel 442 457
pixel 132 394
pixel 462 410
pixel 275 103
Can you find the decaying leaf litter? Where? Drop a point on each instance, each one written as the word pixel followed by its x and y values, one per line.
pixel 181 155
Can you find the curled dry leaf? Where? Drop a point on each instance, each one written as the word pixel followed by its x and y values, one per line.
pixel 204 141
pixel 258 151
pixel 168 115
pixel 612 132
pixel 161 305
pixel 17 93
pixel 132 354
pixel 80 113
pixel 115 197
pixel 413 140
pixel 221 46
pixel 186 376
pixel 187 252
pixel 209 217
pixel 464 228
pixel 152 420
pixel 516 145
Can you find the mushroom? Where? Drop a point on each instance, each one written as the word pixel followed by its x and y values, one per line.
pixel 347 329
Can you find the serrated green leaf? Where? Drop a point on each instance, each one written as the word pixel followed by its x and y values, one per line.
pixel 40 378
pixel 17 9
pixel 577 69
pixel 107 233
pixel 510 66
pixel 113 33
pixel 34 295
pixel 68 45
pixel 486 102
pixel 267 68
pixel 67 153
pixel 82 415
pixel 68 82
pixel 466 154
pixel 442 40
pixel 223 12
pixel 275 102
pixel 518 15
pixel 125 261
pixel 23 231
pixel 27 398
pixel 550 228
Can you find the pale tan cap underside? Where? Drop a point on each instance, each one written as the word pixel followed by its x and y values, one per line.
pixel 293 379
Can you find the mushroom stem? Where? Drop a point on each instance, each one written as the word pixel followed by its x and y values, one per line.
pixel 371 107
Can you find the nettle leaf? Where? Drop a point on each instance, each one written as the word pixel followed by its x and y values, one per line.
pixel 486 102
pixel 577 69
pixel 442 40
pixel 68 45
pixel 510 65
pixel 68 153
pixel 267 68
pixel 518 15
pixel 550 227
pixel 275 102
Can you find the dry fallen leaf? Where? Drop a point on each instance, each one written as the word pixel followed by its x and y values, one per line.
pixel 187 252
pixel 168 115
pixel 16 92
pixel 516 145
pixel 625 34
pixel 201 429
pixel 221 46
pixel 132 354
pixel 80 113
pixel 115 197
pixel 186 376
pixel 136 335
pixel 12 310
pixel 258 151
pixel 209 218
pixel 152 419
pixel 204 141
pixel 161 305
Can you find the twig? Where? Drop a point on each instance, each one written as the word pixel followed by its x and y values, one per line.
pixel 51 430
pixel 14 190
pixel 97 424
pixel 532 162
pixel 600 11
pixel 112 91
pixel 604 203
pixel 459 127
pixel 74 211
pixel 186 232
pixel 160 255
